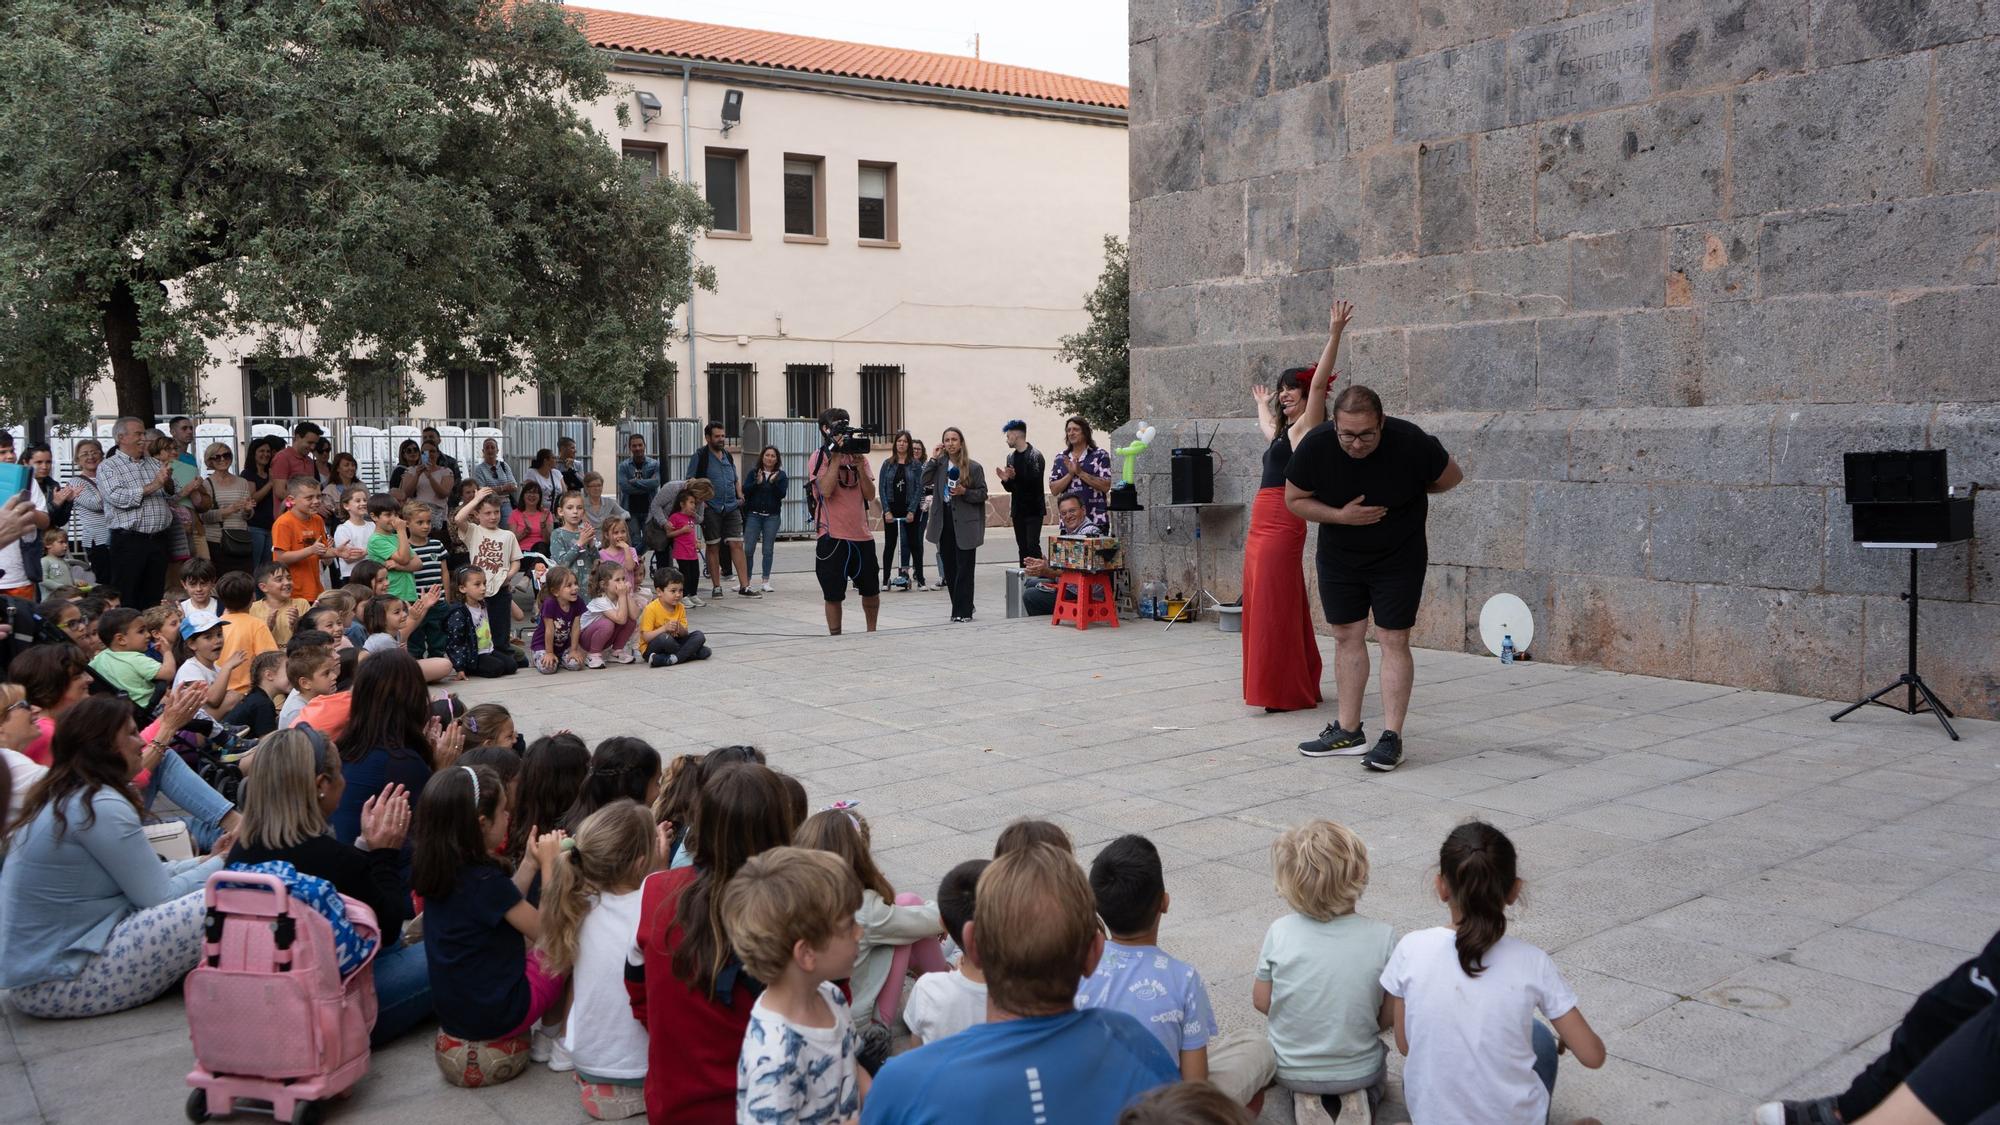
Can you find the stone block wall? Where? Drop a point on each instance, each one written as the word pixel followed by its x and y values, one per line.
pixel 1647 268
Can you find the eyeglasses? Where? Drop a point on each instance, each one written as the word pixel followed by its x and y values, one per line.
pixel 19 705
pixel 1362 438
pixel 77 626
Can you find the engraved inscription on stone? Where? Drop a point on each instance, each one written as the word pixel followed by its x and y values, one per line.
pixel 1453 91
pixel 1576 65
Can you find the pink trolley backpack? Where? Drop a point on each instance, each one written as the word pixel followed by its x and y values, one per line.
pixel 270 1016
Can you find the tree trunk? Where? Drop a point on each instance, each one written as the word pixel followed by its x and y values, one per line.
pixel 131 376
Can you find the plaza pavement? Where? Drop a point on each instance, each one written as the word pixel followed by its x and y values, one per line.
pixel 1745 896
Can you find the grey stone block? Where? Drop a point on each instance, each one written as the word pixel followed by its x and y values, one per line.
pixel 1200 381
pixel 1378 360
pixel 1618 271
pixel 1660 358
pixel 1190 236
pixel 1236 312
pixel 1482 583
pixel 1651 165
pixel 1954 649
pixel 1968 94
pixel 1934 242
pixel 1298 42
pixel 1698 445
pixel 1948 346
pixel 1851 134
pixel 1588 529
pixel 1970 435
pixel 1370 98
pixel 1808 441
pixel 1452 288
pixel 1446 23
pixel 1166 157
pixel 1271 227
pixel 1819 349
pixel 1517 445
pixel 1767 537
pixel 1711 42
pixel 1453 91
pixel 1163 318
pixel 1446 217
pixel 1480 523
pixel 1180 62
pixel 1848 30
pixel 1312 125
pixel 1504 193
pixel 1239 140
pixel 1944 574
pixel 1712 262
pixel 1473 367
pixel 1366 32
pixel 1240 56
pixel 1359 208
pixel 1390 194
pixel 1625 624
pixel 1303 301
pixel 1142 82
pixel 1441 613
pixel 1636 359
pixel 1581 65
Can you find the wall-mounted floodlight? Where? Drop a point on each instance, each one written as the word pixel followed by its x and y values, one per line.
pixel 649 106
pixel 732 110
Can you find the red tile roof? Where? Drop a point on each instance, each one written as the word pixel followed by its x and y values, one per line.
pixel 626 31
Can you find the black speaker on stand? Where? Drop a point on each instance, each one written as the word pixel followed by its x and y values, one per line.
pixel 1900 500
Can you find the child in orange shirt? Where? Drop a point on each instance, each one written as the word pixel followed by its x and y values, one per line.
pixel 298 539
pixel 245 633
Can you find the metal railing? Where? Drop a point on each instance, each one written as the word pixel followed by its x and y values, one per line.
pixel 527 436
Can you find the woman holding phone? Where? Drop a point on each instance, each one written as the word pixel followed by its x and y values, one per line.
pixel 958 519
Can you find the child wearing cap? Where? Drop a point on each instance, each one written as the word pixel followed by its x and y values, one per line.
pixel 202 662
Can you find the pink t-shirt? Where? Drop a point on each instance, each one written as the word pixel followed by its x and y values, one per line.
pixel 843 512
pixel 687 546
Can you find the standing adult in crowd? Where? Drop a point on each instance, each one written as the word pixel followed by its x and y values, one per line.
pixel 305 457
pixel 88 530
pixel 434 442
pixel 542 471
pixel 566 464
pixel 764 509
pixel 922 523
pixel 426 478
pixel 1027 504
pixel 901 489
pixel 226 518
pixel 599 509
pixel 1366 479
pixel 55 502
pixel 958 526
pixel 1082 468
pixel 264 509
pixel 91 922
pixel 491 471
pixel 1281 664
pixel 136 492
pixel 344 472
pixel 842 487
pixel 722 522
pixel 638 482
pixel 189 501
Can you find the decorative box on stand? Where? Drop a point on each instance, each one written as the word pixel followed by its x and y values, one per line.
pixel 1086 553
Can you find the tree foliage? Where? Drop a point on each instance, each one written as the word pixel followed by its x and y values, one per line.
pixel 404 180
pixel 1101 353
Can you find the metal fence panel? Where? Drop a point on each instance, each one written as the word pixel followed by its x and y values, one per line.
pixel 524 437
pixel 796 439
pixel 683 438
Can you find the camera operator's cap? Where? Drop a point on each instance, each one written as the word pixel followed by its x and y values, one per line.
pixel 1016 424
pixel 192 629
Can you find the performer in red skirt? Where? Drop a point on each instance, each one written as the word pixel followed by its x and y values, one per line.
pixel 1281 666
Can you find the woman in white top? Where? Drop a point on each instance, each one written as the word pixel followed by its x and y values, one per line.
pixel 542 470
pixel 17 729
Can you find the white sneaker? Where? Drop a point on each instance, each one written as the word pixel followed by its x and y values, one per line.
pixel 560 1062
pixel 767 587
pixel 1307 1110
pixel 694 602
pixel 541 1045
pixel 593 660
pixel 1355 1108
pixel 624 656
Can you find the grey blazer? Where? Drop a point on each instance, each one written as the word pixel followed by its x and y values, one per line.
pixel 968 509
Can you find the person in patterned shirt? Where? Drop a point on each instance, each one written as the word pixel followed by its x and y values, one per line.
pixel 1082 469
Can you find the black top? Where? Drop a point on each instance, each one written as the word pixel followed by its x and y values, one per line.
pixel 1277 456
pixel 1394 475
pixel 478 961
pixel 266 510
pixel 373 877
pixel 257 712
pixel 1031 474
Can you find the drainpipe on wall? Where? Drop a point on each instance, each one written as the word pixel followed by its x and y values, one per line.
pixel 687 176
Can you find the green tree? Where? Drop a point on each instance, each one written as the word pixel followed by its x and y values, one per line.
pixel 1101 353
pixel 407 180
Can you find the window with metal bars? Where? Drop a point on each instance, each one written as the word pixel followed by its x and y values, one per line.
pixel 881 399
pixel 471 392
pixel 728 393
pixel 806 389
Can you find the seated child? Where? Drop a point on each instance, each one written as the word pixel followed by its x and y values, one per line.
pixel 944 1004
pixel 258 711
pixel 198 581
pixel 1186 1103
pixel 491 724
pixel 124 661
pixel 163 629
pixel 1166 994
pixel 370 580
pixel 886 920
pixel 243 631
pixel 278 609
pixel 469 631
pixel 1469 992
pixel 663 629
pixel 312 671
pixel 1319 975
pixel 58 569
pixel 554 643
pixel 199 653
pixel 390 621
pixel 790 916
pixel 327 618
pixel 610 619
pixel 484 983
pixel 590 918
pixel 329 711
pixel 618 551
pixel 1027 832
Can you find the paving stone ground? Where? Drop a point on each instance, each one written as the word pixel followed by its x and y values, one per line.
pixel 1745 896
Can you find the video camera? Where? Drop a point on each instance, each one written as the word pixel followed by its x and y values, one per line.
pixel 840 434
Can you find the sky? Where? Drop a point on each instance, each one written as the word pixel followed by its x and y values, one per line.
pixel 1085 38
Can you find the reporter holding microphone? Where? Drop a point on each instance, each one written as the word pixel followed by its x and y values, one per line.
pixel 958 522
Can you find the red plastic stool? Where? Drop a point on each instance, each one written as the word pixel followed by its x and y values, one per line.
pixel 1091 603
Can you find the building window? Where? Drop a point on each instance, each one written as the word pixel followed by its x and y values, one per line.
pixel 374 391
pixel 728 394
pixel 552 402
pixel 878 202
pixel 805 197
pixel 268 390
pixel 881 399
pixel 470 393
pixel 727 184
pixel 648 158
pixel 806 389
pixel 170 400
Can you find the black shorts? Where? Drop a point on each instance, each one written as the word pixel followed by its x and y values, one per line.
pixel 1959 1081
pixel 1392 599
pixel 837 562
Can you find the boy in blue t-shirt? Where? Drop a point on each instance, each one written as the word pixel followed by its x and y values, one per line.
pixel 1034 933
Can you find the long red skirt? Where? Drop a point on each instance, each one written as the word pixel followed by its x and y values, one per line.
pixel 1280 656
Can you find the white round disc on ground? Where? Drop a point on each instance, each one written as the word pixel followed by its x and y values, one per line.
pixel 1505 615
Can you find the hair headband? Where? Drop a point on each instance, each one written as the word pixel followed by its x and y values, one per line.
pixel 474 775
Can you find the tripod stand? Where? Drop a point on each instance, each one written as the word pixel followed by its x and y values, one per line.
pixel 1909 679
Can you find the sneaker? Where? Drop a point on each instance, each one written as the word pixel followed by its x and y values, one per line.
pixel 593 660
pixel 715 593
pixel 543 1046
pixel 695 603
pixel 661 660
pixel 572 664
pixel 1819 1111
pixel 1307 1109
pixel 625 656
pixel 1387 754
pixel 747 592
pixel 767 587
pixel 1355 1109
pixel 1334 742
pixel 559 1060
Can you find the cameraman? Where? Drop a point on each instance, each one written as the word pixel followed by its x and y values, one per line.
pixel 842 486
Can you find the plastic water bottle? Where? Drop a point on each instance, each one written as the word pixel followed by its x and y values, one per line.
pixel 1507 648
pixel 1148 597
